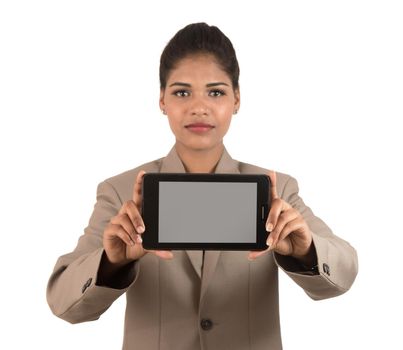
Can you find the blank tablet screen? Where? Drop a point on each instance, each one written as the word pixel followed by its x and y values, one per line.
pixel 207 212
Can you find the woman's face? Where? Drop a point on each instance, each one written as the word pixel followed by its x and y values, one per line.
pixel 199 101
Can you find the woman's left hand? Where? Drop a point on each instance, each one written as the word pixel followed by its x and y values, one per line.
pixel 289 233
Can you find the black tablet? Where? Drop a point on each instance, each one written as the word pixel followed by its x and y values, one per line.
pixel 205 211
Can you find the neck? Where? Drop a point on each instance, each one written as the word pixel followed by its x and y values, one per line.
pixel 199 161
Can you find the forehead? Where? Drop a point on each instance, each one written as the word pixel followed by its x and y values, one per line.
pixel 198 68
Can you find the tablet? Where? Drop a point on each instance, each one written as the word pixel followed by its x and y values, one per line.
pixel 205 211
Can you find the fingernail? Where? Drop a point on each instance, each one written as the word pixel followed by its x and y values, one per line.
pixel 269 241
pixel 139 239
pixel 140 229
pixel 269 227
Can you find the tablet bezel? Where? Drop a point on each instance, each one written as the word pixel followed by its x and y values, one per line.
pixel 150 210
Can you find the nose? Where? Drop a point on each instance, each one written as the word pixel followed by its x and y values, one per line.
pixel 199 106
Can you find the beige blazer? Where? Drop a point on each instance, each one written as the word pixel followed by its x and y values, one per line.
pixel 230 303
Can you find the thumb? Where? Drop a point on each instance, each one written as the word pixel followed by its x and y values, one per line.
pixel 137 189
pixel 273 184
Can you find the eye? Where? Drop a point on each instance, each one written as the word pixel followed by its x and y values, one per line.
pixel 216 93
pixel 181 93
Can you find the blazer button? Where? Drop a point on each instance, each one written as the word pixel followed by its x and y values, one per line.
pixel 326 269
pixel 206 324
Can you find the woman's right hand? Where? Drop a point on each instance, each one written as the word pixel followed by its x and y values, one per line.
pixel 122 236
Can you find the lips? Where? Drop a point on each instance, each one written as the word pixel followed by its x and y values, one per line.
pixel 199 127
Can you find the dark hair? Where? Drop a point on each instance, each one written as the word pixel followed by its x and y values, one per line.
pixel 200 38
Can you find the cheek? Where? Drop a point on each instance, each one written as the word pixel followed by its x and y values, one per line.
pixel 224 126
pixel 174 109
pixel 174 122
pixel 225 116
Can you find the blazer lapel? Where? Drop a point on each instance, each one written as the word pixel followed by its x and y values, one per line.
pixel 227 165
pixel 172 163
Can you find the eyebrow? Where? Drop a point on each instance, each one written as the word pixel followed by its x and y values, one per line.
pixel 189 85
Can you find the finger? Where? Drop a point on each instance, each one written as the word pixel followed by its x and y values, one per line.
pixel 283 247
pixel 124 221
pixel 118 231
pixel 277 206
pixel 273 184
pixel 130 208
pixel 284 218
pixel 254 255
pixel 164 254
pixel 137 189
pixel 274 213
pixel 290 227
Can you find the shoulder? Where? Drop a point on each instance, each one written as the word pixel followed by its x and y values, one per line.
pixel 285 183
pixel 123 183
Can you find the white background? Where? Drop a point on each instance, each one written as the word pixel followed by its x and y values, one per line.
pixel 322 88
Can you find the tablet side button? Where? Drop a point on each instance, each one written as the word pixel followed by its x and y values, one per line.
pixel 264 209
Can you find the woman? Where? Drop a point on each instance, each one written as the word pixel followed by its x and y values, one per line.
pixel 192 299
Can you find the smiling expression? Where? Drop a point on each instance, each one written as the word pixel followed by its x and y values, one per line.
pixel 199 101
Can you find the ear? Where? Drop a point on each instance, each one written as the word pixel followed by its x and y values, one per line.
pixel 162 96
pixel 237 94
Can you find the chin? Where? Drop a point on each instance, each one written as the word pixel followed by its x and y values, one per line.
pixel 203 147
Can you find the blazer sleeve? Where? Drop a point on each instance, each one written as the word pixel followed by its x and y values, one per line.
pixel 337 259
pixel 73 293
